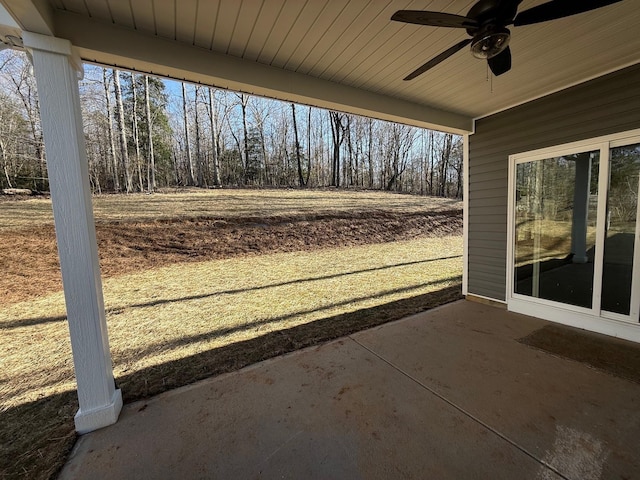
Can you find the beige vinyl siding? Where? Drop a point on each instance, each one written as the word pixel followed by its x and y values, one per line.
pixel 603 106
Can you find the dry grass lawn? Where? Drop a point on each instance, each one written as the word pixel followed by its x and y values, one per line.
pixel 178 322
pixel 174 312
pixel 223 204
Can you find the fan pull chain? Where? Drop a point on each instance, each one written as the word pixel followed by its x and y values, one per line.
pixel 489 79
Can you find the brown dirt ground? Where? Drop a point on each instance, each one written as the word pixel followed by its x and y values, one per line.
pixel 30 265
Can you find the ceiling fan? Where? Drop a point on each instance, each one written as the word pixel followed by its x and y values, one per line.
pixel 486 24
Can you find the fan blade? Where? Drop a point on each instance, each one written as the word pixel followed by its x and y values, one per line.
pixel 558 9
pixel 501 63
pixel 434 19
pixel 511 3
pixel 507 10
pixel 436 60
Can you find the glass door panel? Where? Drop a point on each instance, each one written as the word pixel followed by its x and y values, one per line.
pixel 555 228
pixel 619 246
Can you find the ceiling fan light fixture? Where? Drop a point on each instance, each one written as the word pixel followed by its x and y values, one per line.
pixel 490 42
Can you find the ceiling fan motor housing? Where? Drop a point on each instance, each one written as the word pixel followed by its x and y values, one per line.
pixel 490 37
pixel 490 41
pixel 492 12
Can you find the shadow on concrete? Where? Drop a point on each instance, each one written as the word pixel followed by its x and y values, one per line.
pixel 611 355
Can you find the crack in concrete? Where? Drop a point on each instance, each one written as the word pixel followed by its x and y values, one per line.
pixel 464 412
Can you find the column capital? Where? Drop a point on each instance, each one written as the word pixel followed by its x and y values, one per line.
pixel 47 43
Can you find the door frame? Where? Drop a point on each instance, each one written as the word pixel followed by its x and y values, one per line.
pixel 587 318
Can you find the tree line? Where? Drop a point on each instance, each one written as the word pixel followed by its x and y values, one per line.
pixel 144 133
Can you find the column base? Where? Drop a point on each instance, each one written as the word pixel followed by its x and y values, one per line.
pixel 100 417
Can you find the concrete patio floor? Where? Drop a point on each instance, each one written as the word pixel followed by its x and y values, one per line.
pixel 446 394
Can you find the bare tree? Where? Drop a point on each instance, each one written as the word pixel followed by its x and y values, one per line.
pixel 124 151
pixel 244 140
pixel 199 162
pixel 431 162
pixel 24 87
pixel 136 130
pixel 445 155
pixel 244 100
pixel 297 145
pixel 261 111
pixel 112 145
pixel 370 151
pixel 350 165
pixel 215 136
pixel 306 182
pixel 190 169
pixel 337 132
pixel 457 165
pixel 10 137
pixel 151 165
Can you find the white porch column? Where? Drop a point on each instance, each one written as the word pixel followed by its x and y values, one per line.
pixel 57 81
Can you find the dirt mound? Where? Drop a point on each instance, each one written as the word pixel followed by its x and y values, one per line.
pixel 31 258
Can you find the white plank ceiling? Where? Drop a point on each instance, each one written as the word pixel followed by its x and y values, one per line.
pixel 354 43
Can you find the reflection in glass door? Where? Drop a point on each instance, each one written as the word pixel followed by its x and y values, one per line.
pixel 619 245
pixel 555 228
pixel 576 230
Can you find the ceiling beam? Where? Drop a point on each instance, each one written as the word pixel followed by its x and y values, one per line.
pixel 34 16
pixel 126 48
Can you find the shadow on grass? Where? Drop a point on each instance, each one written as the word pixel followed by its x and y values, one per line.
pixel 278 284
pixel 159 378
pixel 221 332
pixel 37 437
pixel 31 322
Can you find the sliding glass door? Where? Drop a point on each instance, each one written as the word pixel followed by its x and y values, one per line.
pixel 621 227
pixel 555 225
pixel 575 229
